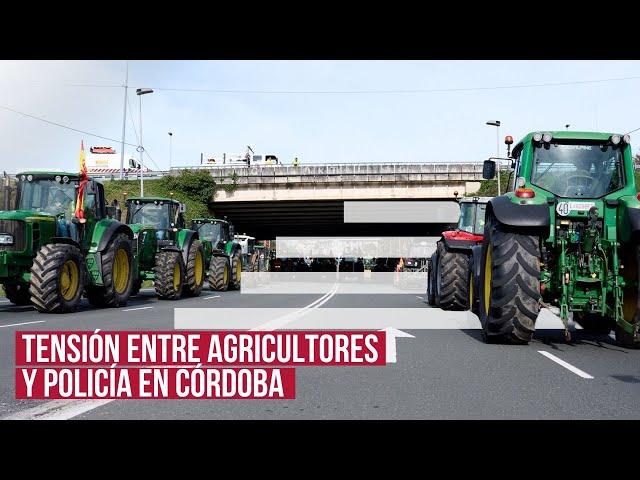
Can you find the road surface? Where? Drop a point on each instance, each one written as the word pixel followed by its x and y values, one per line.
pixel 439 374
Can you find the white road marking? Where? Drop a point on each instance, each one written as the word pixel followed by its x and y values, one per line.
pixel 211 296
pixel 566 365
pixel 25 323
pixel 5 301
pixel 421 298
pixel 280 322
pixel 392 334
pixel 57 410
pixel 137 308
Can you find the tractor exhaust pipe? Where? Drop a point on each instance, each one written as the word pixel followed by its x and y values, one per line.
pixel 6 191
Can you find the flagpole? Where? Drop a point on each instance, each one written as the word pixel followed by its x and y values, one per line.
pixel 124 121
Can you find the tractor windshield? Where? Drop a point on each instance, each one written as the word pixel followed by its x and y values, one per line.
pixel 47 196
pixel 588 170
pixel 156 214
pixel 472 217
pixel 211 232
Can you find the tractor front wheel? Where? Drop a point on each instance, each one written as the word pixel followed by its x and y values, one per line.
pixel 169 275
pixel 509 284
pixel 18 293
pixel 219 274
pixel 236 271
pixel 452 290
pixel 195 270
pixel 57 278
pixel 117 268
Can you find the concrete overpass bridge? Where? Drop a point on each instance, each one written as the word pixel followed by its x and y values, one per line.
pixel 309 199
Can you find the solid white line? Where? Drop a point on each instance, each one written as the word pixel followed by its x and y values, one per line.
pixel 137 308
pixel 25 323
pixel 421 298
pixel 212 296
pixel 57 410
pixel 566 365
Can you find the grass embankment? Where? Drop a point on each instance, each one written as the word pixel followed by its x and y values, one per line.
pixel 194 188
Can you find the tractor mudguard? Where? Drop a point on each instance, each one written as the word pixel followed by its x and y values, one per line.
pixel 476 256
pixel 105 230
pixel 514 215
pixel 185 238
pixel 65 241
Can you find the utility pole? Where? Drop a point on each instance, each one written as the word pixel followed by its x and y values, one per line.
pixel 124 121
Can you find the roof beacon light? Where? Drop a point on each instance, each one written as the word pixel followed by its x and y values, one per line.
pixel 615 139
pixel 525 193
pixel 508 140
pixel 546 138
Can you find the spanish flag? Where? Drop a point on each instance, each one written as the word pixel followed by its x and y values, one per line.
pixel 84 179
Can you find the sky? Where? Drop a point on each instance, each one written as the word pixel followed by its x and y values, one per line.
pixel 329 127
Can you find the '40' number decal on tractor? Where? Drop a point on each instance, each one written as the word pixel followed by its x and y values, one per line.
pixel 564 208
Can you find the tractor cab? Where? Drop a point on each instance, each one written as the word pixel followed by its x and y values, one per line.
pixel 164 215
pixel 216 231
pixel 472 215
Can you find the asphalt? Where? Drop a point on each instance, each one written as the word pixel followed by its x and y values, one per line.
pixel 439 374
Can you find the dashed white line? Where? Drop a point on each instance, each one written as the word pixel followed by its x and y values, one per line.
pixel 566 365
pixel 24 323
pixel 137 308
pixel 211 296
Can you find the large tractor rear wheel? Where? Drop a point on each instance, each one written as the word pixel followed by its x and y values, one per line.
pixel 236 271
pixel 509 284
pixel 219 273
pixel 452 290
pixel 195 270
pixel 631 305
pixel 117 268
pixel 57 278
pixel 18 293
pixel 169 275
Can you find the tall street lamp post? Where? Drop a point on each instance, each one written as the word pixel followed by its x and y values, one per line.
pixel 140 92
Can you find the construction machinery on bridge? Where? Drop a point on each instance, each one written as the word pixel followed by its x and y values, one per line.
pixel 165 251
pixel 566 236
pixel 223 254
pixel 449 284
pixel 59 240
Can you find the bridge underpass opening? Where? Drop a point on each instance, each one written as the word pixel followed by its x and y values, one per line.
pixel 267 220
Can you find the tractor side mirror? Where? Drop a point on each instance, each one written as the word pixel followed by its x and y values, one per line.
pixel 488 169
pixel 183 208
pixel 111 211
pixel 232 231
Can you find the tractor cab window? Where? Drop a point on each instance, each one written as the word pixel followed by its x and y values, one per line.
pixel 472 217
pixel 47 196
pixel 587 170
pixel 211 232
pixel 151 213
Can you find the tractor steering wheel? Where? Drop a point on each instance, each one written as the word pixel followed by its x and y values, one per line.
pixel 576 184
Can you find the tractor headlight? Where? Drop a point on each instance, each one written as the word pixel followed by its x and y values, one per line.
pixel 58 178
pixel 23 177
pixel 65 179
pixel 520 182
pixel 615 139
pixel 626 139
pixel 6 239
pixel 537 137
pixel 30 177
pixel 546 138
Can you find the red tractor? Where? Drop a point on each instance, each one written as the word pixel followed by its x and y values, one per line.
pixel 449 283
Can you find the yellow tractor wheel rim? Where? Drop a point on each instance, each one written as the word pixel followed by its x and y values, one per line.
pixel 120 273
pixel 177 278
pixel 69 280
pixel 488 262
pixel 199 274
pixel 225 275
pixel 238 269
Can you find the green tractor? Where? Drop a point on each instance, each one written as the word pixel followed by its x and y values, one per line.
pixel 164 250
pixel 223 254
pixel 49 258
pixel 565 236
